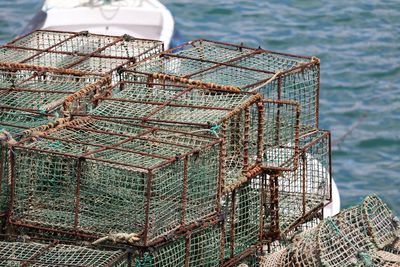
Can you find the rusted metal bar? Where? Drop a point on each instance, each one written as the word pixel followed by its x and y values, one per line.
pixel 246 141
pixel 241 46
pixel 232 230
pixel 147 206
pixel 274 204
pixel 184 191
pixel 77 193
pixel 25 110
pixel 164 104
pixel 303 182
pixel 236 260
pixel 16 89
pixel 187 251
pixel 141 119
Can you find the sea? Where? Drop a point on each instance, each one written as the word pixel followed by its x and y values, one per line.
pixel 358 42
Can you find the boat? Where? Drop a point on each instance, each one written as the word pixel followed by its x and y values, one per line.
pixel 147 19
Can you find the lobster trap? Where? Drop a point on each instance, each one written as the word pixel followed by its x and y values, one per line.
pixel 345 240
pixel 78 51
pixel 207 63
pixel 88 178
pixel 29 253
pixel 290 197
pixel 231 117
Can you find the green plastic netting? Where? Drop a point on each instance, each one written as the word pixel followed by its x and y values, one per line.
pixel 98 177
pixel 275 75
pixel 80 51
pixel 18 253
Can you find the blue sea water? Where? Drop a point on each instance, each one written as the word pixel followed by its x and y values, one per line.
pixel 358 43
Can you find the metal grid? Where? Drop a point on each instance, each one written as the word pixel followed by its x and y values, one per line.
pixel 277 76
pixel 79 176
pixel 291 196
pixel 82 51
pixel 34 93
pixel 17 253
pixel 231 117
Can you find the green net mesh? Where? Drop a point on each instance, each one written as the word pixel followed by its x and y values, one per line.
pixel 299 193
pixel 194 110
pixel 79 51
pixel 242 207
pixel 85 174
pixel 18 253
pixel 277 76
pixel 200 247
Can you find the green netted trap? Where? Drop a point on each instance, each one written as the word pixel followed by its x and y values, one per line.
pixel 232 117
pixel 291 196
pixel 91 177
pixel 80 51
pixel 344 240
pixel 28 253
pixel 242 209
pixel 276 75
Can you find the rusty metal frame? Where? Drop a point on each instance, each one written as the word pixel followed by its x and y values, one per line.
pixel 42 133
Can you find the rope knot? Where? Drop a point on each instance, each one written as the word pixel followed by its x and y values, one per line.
pixel 119 238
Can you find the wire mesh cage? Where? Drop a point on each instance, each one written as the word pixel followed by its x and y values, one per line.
pixel 82 51
pixel 276 75
pixel 291 196
pixel 89 177
pixel 232 117
pixel 29 253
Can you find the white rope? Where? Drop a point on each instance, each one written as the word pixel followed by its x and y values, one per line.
pixel 119 238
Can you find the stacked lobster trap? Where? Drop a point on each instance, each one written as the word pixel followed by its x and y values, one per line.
pixel 196 156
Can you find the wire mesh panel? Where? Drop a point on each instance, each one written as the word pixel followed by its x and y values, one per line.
pixel 90 177
pixel 25 91
pixel 281 134
pixel 243 218
pixel 14 253
pixel 291 196
pixel 276 75
pixel 80 51
pixel 195 110
pixel 201 246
